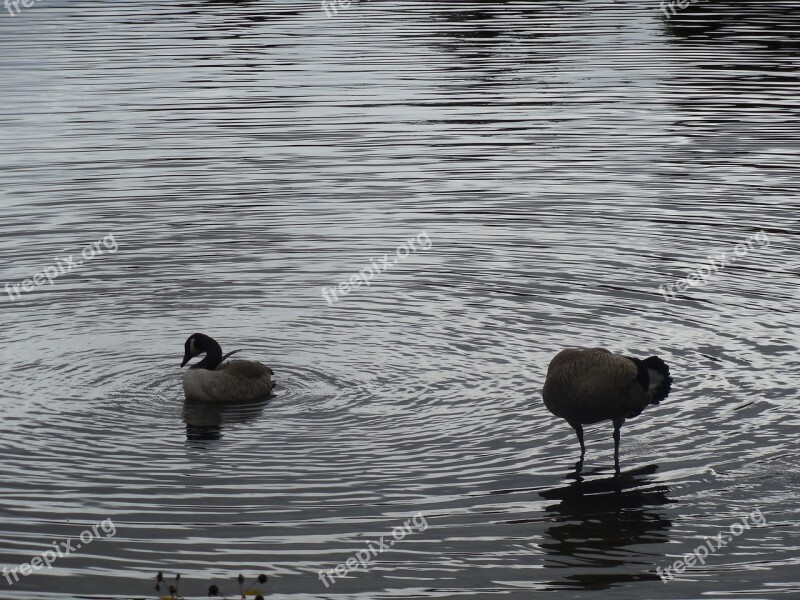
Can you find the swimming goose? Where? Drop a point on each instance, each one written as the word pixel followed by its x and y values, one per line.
pixel 211 380
pixel 590 385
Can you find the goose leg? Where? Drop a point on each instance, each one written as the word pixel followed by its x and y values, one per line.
pixel 617 424
pixel 579 432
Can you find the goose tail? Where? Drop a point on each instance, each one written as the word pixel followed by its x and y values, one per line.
pixel 660 382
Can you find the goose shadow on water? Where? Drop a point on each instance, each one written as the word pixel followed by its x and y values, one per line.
pixel 605 531
pixel 205 421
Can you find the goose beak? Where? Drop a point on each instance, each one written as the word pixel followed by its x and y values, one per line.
pixel 186 359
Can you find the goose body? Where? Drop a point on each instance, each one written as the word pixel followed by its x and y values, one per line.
pixel 585 386
pixel 212 380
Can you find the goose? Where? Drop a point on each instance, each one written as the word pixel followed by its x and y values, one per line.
pixel 589 385
pixel 211 380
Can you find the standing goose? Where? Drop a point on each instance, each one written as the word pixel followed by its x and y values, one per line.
pixel 211 380
pixel 590 385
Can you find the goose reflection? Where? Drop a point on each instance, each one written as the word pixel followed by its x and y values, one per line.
pixel 205 421
pixel 605 531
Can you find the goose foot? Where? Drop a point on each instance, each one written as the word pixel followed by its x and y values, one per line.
pixel 579 432
pixel 617 425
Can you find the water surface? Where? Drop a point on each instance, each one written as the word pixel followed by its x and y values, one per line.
pixel 565 160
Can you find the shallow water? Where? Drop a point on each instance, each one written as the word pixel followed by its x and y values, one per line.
pixel 563 158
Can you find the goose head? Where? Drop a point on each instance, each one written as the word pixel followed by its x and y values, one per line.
pixel 197 344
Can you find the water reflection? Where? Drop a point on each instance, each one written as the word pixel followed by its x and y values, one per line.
pixel 205 421
pixel 726 62
pixel 763 25
pixel 597 525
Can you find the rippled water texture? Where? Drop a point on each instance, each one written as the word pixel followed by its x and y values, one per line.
pixel 564 158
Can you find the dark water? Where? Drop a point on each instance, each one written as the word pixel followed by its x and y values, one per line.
pixel 564 159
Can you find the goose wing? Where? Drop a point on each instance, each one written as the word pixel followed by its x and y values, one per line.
pixel 248 369
pixel 603 371
pixel 233 381
pixel 591 367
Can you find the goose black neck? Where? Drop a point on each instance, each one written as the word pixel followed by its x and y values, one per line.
pixel 212 358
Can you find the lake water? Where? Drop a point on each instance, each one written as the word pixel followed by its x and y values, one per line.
pixel 556 162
